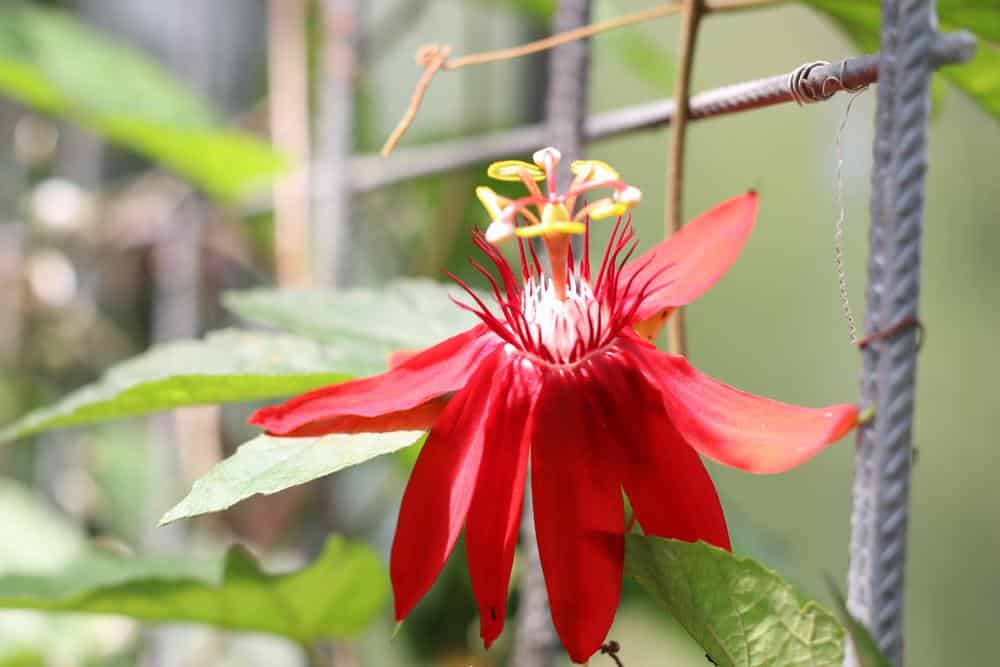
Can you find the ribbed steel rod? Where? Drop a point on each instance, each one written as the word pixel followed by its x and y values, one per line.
pixel 882 469
pixel 811 82
pixel 331 185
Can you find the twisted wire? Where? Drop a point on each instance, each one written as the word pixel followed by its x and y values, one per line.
pixel 838 234
pixel 882 473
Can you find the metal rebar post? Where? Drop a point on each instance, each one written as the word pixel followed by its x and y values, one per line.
pixel 536 643
pixel 331 189
pixel 288 107
pixel 568 85
pixel 882 469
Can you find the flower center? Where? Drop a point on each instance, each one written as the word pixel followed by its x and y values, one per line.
pixel 556 215
pixel 558 313
pixel 567 326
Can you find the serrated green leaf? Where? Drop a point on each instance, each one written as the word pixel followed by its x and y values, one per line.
pixel 266 465
pixel 54 63
pixel 980 78
pixel 405 314
pixel 335 596
pixel 740 612
pixel 227 366
pixel 865 648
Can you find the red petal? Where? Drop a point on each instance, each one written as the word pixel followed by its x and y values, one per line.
pixel 670 490
pixel 693 259
pixel 491 528
pixel 741 430
pixel 579 515
pixel 408 397
pixel 440 489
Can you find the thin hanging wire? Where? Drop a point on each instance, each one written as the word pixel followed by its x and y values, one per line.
pixel 838 235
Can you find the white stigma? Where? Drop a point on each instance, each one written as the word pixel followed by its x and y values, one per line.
pixel 547 157
pixel 630 196
pixel 499 230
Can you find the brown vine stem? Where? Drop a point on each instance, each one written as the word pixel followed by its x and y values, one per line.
pixel 693 10
pixel 431 58
pixel 435 57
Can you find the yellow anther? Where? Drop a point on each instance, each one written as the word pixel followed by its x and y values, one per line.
pixel 554 214
pixel 555 220
pixel 510 170
pixel 594 170
pixel 491 201
pixel 604 208
pixel 553 228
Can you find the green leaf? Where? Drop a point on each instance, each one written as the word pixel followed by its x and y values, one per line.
pixel 740 612
pixel 980 78
pixel 865 648
pixel 37 538
pixel 23 658
pixel 52 62
pixel 77 61
pixel 266 465
pixel 404 314
pixel 335 596
pixel 228 164
pixel 227 366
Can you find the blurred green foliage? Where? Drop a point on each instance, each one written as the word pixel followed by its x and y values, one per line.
pixel 336 595
pixel 52 62
pixel 405 314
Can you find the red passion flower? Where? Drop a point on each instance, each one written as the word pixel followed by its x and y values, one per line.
pixel 560 373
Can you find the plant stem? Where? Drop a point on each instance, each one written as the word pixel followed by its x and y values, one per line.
pixel 563 37
pixel 693 10
pixel 435 57
pixel 622 21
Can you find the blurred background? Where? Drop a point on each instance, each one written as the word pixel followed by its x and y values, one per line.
pixel 116 234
